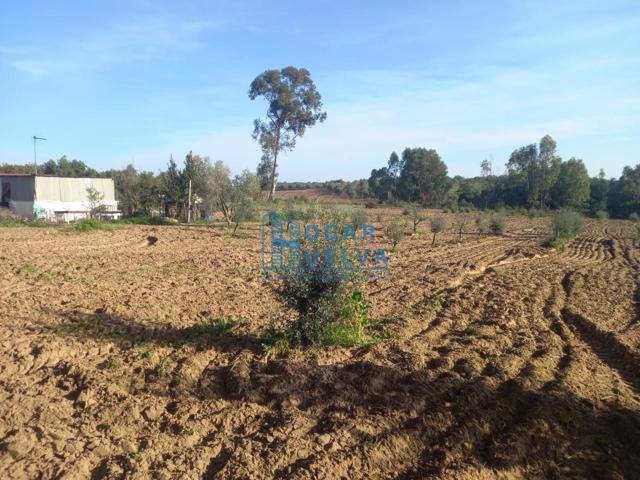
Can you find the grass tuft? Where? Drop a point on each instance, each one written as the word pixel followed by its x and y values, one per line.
pixel 88 225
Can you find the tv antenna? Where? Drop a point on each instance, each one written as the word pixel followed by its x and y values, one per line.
pixel 35 161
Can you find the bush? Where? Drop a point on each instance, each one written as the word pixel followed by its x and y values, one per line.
pixel 9 222
pixel 481 224
pixel 358 218
pixel 437 226
pixel 244 210
pixel 395 231
pixel 330 304
pixel 602 215
pixel 634 216
pixel 291 212
pixel 566 224
pixel 87 225
pixel 146 220
pixel 497 225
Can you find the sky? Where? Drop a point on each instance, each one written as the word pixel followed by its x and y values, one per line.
pixel 135 81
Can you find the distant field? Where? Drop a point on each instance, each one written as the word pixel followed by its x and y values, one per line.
pixel 313 193
pixel 505 359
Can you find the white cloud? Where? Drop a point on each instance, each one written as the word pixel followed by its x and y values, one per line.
pixel 123 43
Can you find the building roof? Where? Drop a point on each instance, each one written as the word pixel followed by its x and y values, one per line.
pixel 48 176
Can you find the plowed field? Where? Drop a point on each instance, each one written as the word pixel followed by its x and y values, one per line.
pixel 506 360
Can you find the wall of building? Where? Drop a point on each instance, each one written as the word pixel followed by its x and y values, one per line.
pixel 56 198
pixel 18 191
pixel 57 194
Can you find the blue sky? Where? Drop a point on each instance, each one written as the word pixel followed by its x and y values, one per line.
pixel 117 81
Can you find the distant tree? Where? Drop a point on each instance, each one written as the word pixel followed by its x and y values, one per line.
pixel 548 169
pixel 246 192
pixel 395 165
pixel 126 185
pixel 624 197
pixel 362 188
pixel 14 168
pixel 599 193
pixel 149 191
pixel 264 171
pixel 424 176
pixel 294 105
pixel 197 169
pixel 485 167
pixel 535 171
pixel 175 185
pixel 522 170
pixel 221 190
pixel 573 186
pixel 64 167
pixel 382 184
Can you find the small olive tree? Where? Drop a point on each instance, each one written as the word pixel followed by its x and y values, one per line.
pixel 328 298
pixel 395 231
pixel 359 217
pixel 460 223
pixel 497 225
pixel 414 212
pixel 437 225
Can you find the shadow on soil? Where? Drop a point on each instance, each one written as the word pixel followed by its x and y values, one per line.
pixel 455 425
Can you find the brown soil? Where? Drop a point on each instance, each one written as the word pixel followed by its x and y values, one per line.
pixel 312 194
pixel 506 360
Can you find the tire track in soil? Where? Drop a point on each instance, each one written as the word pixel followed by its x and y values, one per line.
pixel 606 347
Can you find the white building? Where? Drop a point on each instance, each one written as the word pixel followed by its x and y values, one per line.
pixel 62 199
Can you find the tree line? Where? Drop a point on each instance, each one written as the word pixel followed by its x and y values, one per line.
pixel 536 178
pixel 213 188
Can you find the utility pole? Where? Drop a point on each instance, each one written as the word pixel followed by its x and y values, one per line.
pixel 189 209
pixel 35 160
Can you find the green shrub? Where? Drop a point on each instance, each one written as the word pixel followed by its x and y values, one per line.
pixel 12 223
pixel 436 226
pixel 145 220
pixel 88 225
pixel 331 310
pixel 212 328
pixel 497 225
pixel 566 224
pixel 291 212
pixel 358 218
pixel 395 231
pixel 481 224
pixel 535 213
pixel 634 216
pixel 602 215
